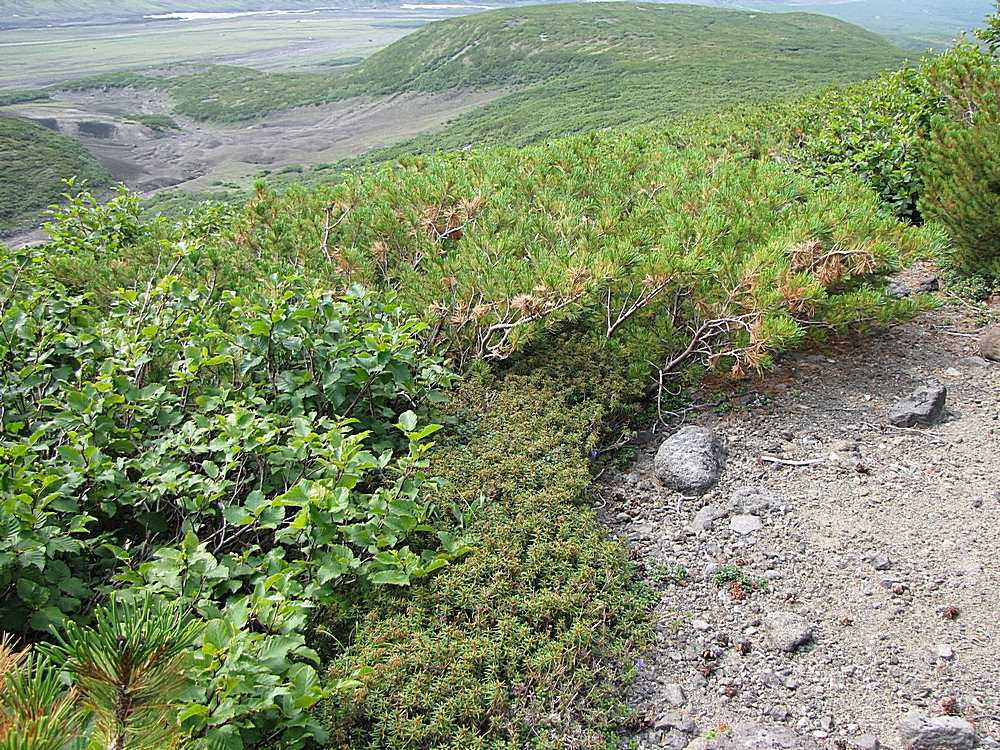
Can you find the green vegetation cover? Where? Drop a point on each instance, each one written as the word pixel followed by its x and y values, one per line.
pixel 314 469
pixel 34 161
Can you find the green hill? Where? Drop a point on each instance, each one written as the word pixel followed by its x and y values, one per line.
pixel 538 43
pixel 587 66
pixel 569 67
pixel 33 163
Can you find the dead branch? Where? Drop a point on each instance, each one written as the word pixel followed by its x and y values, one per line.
pixel 328 227
pixel 650 292
pixel 498 349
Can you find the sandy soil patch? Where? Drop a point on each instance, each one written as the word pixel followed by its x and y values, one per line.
pixel 883 541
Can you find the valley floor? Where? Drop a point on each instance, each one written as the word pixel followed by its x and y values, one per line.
pixel 198 156
pixel 884 541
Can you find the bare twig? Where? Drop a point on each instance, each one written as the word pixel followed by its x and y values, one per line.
pixel 328 227
pixel 651 292
pixel 786 462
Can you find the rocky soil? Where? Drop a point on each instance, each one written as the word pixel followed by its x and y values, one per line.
pixel 840 586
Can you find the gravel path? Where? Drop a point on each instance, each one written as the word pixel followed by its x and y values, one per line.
pixel 877 554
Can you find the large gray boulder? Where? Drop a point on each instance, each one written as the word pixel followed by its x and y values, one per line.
pixel 938 733
pixel 922 408
pixel 691 460
pixel 989 343
pixel 755 737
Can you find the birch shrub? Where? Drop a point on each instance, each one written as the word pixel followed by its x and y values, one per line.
pixel 254 456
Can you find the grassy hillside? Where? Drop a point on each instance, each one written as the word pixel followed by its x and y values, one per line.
pixel 33 163
pixel 539 43
pixel 573 67
pixel 916 24
pixel 586 67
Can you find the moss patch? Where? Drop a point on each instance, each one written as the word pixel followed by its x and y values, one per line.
pixel 524 642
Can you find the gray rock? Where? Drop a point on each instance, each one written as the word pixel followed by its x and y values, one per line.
pixel 745 524
pixel 939 733
pixel 844 446
pixel 879 561
pixel 779 713
pixel 989 343
pixel 865 742
pixel 674 695
pixel 787 631
pixel 673 739
pixel 680 721
pixel 944 651
pixel 924 407
pixel 753 499
pixel 897 289
pixel 930 284
pixel 755 737
pixel 705 517
pixel 974 361
pixel 691 460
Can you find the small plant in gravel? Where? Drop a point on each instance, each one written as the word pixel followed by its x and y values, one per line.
pixel 738 584
pixel 676 575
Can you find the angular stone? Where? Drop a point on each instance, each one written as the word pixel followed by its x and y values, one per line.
pixel 865 742
pixel 938 733
pixel 691 460
pixel 674 695
pixel 944 651
pixel 745 524
pixel 705 517
pixel 924 407
pixel 897 289
pixel 753 499
pixel 787 631
pixel 974 361
pixel 879 561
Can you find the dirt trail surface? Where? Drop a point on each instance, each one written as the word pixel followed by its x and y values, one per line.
pixel 870 553
pixel 198 156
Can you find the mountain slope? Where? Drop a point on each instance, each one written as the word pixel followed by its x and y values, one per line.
pixel 618 62
pixel 33 163
pixel 908 22
pixel 583 67
pixel 531 44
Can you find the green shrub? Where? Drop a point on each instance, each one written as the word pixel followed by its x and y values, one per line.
pixel 626 236
pixel 875 131
pixel 962 165
pixel 253 457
